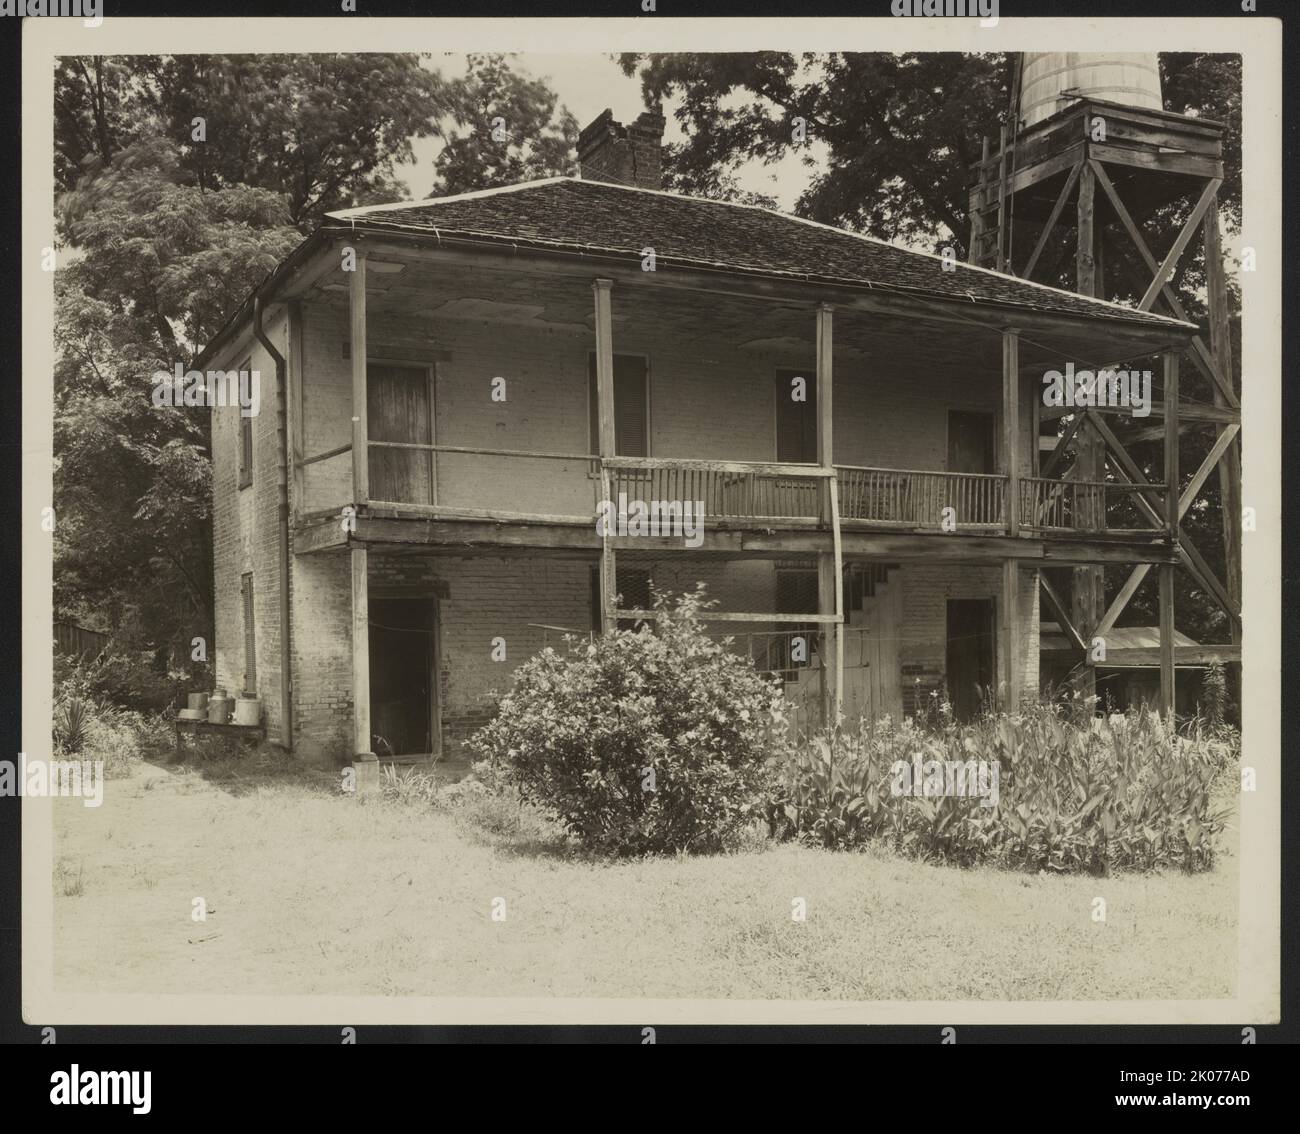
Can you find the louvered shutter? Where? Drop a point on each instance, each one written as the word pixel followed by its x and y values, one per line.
pixel 250 637
pixel 796 422
pixel 631 406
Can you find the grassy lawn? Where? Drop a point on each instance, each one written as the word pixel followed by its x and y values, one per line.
pixel 309 891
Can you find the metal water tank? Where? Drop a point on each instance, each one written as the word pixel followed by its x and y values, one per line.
pixel 1132 79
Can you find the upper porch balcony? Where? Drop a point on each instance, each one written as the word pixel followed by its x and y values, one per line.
pixel 458 482
pixel 501 393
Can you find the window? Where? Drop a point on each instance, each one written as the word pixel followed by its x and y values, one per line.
pixel 631 405
pixel 250 641
pixel 633 585
pixel 797 591
pixel 796 420
pixel 245 440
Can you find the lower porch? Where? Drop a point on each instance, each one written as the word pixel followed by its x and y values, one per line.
pixel 444 631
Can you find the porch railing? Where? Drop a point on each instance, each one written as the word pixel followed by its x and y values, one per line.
pixel 506 482
pixel 914 499
pixel 450 478
pixel 1088 505
pixel 730 490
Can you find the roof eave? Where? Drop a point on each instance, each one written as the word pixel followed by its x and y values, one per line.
pixel 423 234
pixel 335 225
pixel 266 290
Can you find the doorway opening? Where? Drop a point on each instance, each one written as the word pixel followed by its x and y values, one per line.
pixel 970 442
pixel 404 718
pixel 971 655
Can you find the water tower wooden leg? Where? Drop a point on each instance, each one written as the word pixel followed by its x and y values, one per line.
pixel 1167 690
pixel 1088 582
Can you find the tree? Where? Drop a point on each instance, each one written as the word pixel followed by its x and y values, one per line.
pixel 95 103
pixel 160 265
pixel 172 256
pixel 502 128
pixel 131 483
pixel 165 225
pixel 323 131
pixel 898 133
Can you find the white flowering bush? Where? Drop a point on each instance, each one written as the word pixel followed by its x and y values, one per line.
pixel 643 742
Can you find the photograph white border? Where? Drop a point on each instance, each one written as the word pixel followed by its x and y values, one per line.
pixel 1257 39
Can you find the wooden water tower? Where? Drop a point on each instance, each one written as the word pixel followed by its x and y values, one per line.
pixel 1089 148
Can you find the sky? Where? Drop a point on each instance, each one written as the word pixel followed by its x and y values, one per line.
pixel 587 84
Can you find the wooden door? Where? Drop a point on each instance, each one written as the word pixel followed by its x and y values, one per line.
pixel 399 403
pixel 883 619
pixel 796 421
pixel 970 442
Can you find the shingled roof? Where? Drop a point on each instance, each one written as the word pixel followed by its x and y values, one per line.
pixel 568 214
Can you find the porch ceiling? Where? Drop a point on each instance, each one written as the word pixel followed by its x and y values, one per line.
pixel 416 288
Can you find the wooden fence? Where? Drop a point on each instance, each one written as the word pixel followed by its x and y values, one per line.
pixel 78 641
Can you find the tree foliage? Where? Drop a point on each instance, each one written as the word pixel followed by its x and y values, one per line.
pixel 889 139
pixel 502 128
pixel 165 224
pixel 322 131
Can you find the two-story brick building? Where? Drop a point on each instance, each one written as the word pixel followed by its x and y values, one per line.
pixel 451 387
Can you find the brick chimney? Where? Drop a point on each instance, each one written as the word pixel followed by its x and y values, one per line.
pixel 623 155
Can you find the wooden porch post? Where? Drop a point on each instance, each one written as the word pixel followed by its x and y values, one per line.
pixel 829 564
pixel 1011 425
pixel 828 602
pixel 825 393
pixel 360 430
pixel 606 442
pixel 1011 632
pixel 1167 677
pixel 364 762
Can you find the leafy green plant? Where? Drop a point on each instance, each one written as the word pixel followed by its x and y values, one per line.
pixel 652 741
pixel 72 717
pixel 85 723
pixel 1214 694
pixel 1085 794
pixel 409 786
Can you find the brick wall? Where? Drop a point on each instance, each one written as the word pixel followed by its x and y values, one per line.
pixel 321 588
pixel 479 598
pixel 246 532
pixel 631 155
pixel 923 652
